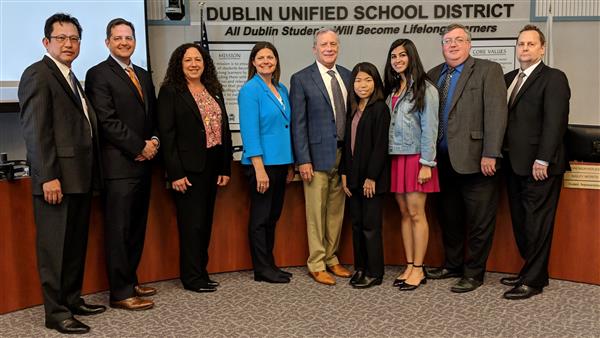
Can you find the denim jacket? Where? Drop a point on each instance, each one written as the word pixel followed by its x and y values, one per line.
pixel 415 132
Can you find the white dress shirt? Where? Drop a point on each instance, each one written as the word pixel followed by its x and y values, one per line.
pixel 65 72
pixel 527 73
pixel 327 81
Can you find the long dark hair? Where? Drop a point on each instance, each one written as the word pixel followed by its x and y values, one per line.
pixel 174 75
pixel 414 72
pixel 371 70
pixel 257 48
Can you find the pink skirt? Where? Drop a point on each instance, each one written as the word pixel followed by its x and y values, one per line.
pixel 405 171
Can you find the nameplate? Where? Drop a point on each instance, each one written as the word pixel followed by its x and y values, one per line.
pixel 582 176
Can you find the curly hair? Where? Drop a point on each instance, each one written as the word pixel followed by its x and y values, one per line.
pixel 175 77
pixel 414 71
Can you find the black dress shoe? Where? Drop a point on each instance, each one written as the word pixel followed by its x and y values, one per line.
pixel 205 280
pixel 209 282
pixel 284 273
pixel 511 281
pixel 201 288
pixel 87 309
pixel 69 326
pixel 398 282
pixel 522 292
pixel 466 284
pixel 441 273
pixel 276 278
pixel 409 287
pixel 366 282
pixel 356 276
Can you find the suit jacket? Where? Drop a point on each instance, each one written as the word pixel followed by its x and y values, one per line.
pixel 265 123
pixel 314 134
pixel 370 159
pixel 183 137
pixel 57 133
pixel 126 120
pixel 538 121
pixel 477 115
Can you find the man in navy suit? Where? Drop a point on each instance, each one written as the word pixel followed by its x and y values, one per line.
pixel 318 97
pixel 123 97
pixel 538 107
pixel 61 135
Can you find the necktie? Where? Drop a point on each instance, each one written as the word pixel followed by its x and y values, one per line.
pixel 73 84
pixel 443 120
pixel 135 81
pixel 339 105
pixel 515 90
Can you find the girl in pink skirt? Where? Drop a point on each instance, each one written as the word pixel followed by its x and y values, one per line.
pixel 413 101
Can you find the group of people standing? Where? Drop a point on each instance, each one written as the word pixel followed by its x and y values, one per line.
pixel 352 135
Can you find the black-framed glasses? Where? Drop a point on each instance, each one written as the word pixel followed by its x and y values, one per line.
pixel 64 38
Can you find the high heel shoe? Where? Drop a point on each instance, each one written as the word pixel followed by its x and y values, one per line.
pixel 410 287
pixel 400 281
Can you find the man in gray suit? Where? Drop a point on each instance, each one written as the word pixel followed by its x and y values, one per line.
pixel 318 96
pixel 472 123
pixel 61 136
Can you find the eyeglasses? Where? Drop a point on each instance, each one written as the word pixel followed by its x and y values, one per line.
pixel 63 38
pixel 458 41
pixel 127 38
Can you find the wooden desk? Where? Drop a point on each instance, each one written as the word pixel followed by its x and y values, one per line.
pixel 575 250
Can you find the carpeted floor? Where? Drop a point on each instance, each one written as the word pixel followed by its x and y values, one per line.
pixel 244 308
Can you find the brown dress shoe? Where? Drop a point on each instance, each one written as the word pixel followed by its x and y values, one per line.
pixel 323 277
pixel 144 291
pixel 133 303
pixel 340 271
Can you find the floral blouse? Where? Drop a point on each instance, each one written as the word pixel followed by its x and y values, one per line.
pixel 211 116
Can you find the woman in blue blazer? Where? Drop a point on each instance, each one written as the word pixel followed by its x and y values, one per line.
pixel 265 128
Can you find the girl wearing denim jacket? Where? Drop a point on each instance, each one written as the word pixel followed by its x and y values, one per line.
pixel 413 101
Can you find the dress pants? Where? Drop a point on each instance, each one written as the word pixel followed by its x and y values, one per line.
pixel 367 241
pixel 195 210
pixel 533 207
pixel 265 210
pixel 468 205
pixel 125 215
pixel 61 236
pixel 324 199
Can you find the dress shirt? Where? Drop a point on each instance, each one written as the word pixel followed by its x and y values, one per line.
pixel 527 72
pixel 453 81
pixel 327 81
pixel 65 70
pixel 130 65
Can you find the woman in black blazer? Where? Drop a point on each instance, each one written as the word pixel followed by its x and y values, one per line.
pixel 365 172
pixel 196 147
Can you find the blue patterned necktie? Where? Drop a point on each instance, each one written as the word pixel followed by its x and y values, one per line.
pixel 443 122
